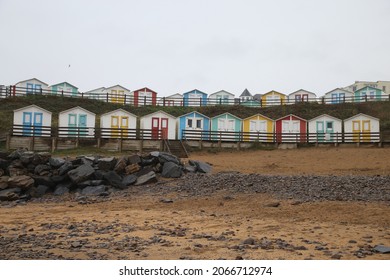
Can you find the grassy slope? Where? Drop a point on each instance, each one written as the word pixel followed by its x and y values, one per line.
pixel 55 104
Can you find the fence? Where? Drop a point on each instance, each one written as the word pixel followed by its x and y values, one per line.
pixel 264 137
pixel 128 99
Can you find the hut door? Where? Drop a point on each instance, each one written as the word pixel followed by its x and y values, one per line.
pixel 30 89
pixel 124 126
pixel 356 131
pixel 320 131
pixel 164 128
pixel 121 96
pixel 114 96
pixel 194 99
pixel 366 131
pixel 72 124
pixel 286 131
pixel 27 121
pixel 155 128
pixel 38 124
pixel 82 124
pixel 114 126
pixel 329 131
pixel 305 97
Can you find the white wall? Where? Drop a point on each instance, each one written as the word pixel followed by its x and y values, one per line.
pixel 46 117
pixel 63 120
pixel 337 124
pixel 312 97
pixel 373 122
pixel 146 123
pixel 105 120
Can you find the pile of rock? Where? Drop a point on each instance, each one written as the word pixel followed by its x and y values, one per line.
pixel 25 174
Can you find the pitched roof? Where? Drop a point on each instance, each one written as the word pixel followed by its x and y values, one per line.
pixel 196 112
pixel 340 89
pixel 77 107
pixel 325 115
pixel 121 110
pixel 245 93
pixel 118 86
pixel 361 114
pixel 224 91
pixel 32 79
pixel 32 105
pixel 196 91
pixel 302 90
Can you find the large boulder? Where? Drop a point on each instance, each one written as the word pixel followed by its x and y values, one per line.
pixel 120 166
pixel 129 180
pixel 16 168
pixel 4 164
pixel 90 183
pixel 132 168
pixel 65 168
pixel 113 179
pixel 39 191
pixel 23 182
pixel 106 164
pixel 201 166
pixel 45 180
pixel 18 153
pixel 81 173
pixel 134 159
pixel 166 157
pixel 147 179
pixel 94 190
pixel 171 170
pixel 10 194
pixel 56 162
pixel 4 182
pixel 42 169
pixel 62 188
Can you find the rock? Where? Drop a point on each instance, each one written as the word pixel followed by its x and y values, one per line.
pixel 121 165
pixel 42 169
pixel 336 256
pixel 4 182
pixel 144 171
pixel 129 180
pixel 44 180
pixel 149 161
pixel 106 164
pixel 99 175
pixel 76 244
pixel 134 159
pixel 201 166
pixel 147 178
pixel 155 153
pixel 171 170
pixel 56 162
pixel 249 241
pixel 65 168
pixel 39 191
pixel 18 153
pixel 132 168
pixel 10 194
pixel 41 158
pixel 62 188
pixel 273 204
pixel 166 157
pixel 16 168
pixel 94 190
pixel 24 182
pixel 166 200
pixel 90 183
pixel 59 178
pixel 81 173
pixel 190 168
pixel 4 164
pixel 114 179
pixel 2 172
pixel 382 249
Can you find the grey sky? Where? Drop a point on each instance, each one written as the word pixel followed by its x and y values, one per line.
pixel 174 46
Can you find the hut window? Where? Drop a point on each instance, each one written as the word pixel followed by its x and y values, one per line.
pixel 198 123
pixel 189 122
pixel 329 125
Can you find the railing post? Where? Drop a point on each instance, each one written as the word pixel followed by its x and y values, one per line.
pixel 82 95
pixel 41 90
pixel 365 98
pixel 124 100
pixel 164 101
pixel 107 97
pixel 344 99
pixel 62 93
pixel 144 100
pixel 200 103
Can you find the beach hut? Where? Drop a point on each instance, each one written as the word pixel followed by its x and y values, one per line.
pixel 226 127
pixel 325 128
pixel 301 96
pixel 171 100
pixel 162 125
pixel 97 93
pixel 117 94
pixel 369 94
pixel 194 98
pixel 291 129
pixel 361 128
pixel 118 124
pixel 337 96
pixel 196 126
pixel 221 97
pixel 32 121
pixel 144 96
pixel 31 86
pixel 76 122
pixel 64 89
pixel 258 128
pixel 273 98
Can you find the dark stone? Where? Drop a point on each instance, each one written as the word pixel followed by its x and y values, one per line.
pixel 155 153
pixel 190 168
pixel 145 170
pixel 273 204
pixel 39 191
pixel 201 166
pixel 382 249
pixel 41 158
pixel 44 180
pixel 56 162
pixel 166 200
pixel 42 169
pixel 62 188
pixel 114 179
pixel 4 182
pixel 58 179
pixel 120 166
pixel 90 183
pixel 249 241
pixel 24 182
pixel 106 164
pixel 16 168
pixel 18 153
pixel 81 173
pixel 65 168
pixel 132 168
pixel 171 170
pixel 336 256
pixel 134 159
pixel 4 164
pixel 149 161
pixel 94 190
pixel 10 194
pixel 129 180
pixel 147 178
pixel 99 175
pixel 166 157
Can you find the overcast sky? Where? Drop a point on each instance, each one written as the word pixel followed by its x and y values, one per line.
pixel 177 45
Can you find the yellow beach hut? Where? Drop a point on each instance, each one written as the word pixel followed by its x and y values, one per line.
pixel 273 98
pixel 258 128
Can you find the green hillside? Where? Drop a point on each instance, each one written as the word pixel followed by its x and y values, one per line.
pixel 307 111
